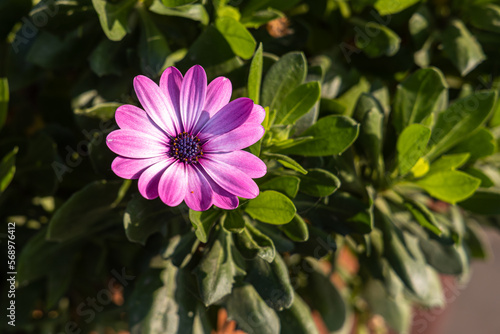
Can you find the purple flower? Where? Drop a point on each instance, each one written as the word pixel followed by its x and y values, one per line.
pixel 186 145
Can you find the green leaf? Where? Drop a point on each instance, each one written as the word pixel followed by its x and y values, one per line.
pixel 446 259
pixel 217 269
pixel 83 210
pixel 8 169
pixel 102 60
pixel 478 145
pixel 486 17
pixel 283 76
pixel 233 221
pixel 271 207
pixel 297 229
pixel 245 301
pixel 4 100
pixel 298 102
pixel 261 17
pixel 175 3
pixel 11 11
pixel 411 146
pixel 319 183
pixel 240 40
pixel 418 96
pixel 327 299
pixel 484 202
pixel 288 185
pixel 203 222
pixel 287 162
pixel 448 162
pixel 251 243
pixel 196 12
pixel 114 17
pixel 450 186
pixel 461 47
pixel 297 319
pixel 103 111
pixel 272 282
pixel 255 75
pixel 382 41
pixel 153 48
pixel 423 216
pixel 459 120
pixel 332 135
pixel 143 218
pixel 387 7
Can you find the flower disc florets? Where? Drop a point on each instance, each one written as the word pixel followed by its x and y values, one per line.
pixel 186 148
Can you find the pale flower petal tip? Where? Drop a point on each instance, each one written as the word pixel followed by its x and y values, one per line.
pixel 186 143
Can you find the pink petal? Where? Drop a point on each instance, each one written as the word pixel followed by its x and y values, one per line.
pixel 170 85
pixel 150 178
pixel 134 144
pixel 231 179
pixel 199 193
pixel 218 95
pixel 241 137
pixel 243 161
pixel 155 103
pixel 173 184
pixel 257 116
pixel 192 96
pixel 132 168
pixel 132 118
pixel 228 118
pixel 221 198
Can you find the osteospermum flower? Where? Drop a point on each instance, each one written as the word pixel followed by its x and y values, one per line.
pixel 186 145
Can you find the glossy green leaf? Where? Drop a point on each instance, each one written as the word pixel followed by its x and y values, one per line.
pixel 4 100
pixel 319 183
pixel 418 97
pixel 233 221
pixel 283 76
pixel 203 222
pixel 83 210
pixel 448 162
pixel 271 207
pixel 114 17
pixel 261 17
pixel 478 145
pixel 217 269
pixel 287 162
pixel 484 201
pixel 298 102
pixel 332 135
pixel 143 218
pixel 382 41
pixel 459 120
pixel 245 301
pixel 175 3
pixel 196 12
pixel 450 186
pixel 411 146
pixel 255 75
pixel 288 185
pixel 486 16
pixel 387 7
pixel 251 243
pixel 461 47
pixel 8 169
pixel 272 282
pixel 240 40
pixel 297 229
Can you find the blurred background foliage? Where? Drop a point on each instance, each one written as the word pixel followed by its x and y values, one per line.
pixel 381 142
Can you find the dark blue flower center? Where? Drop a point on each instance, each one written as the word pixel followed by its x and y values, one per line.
pixel 186 148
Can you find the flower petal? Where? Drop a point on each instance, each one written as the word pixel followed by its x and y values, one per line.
pixel 173 184
pixel 243 161
pixel 170 85
pixel 199 193
pixel 134 144
pixel 257 115
pixel 228 118
pixel 218 95
pixel 230 178
pixel 132 168
pixel 132 118
pixel 221 198
pixel 150 178
pixel 154 102
pixel 192 96
pixel 237 139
